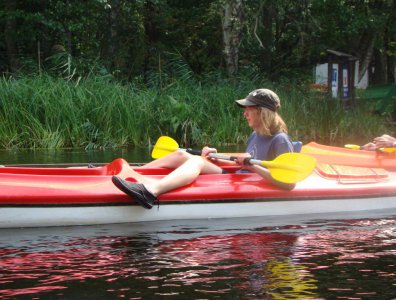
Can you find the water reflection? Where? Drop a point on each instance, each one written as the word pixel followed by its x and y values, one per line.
pixel 360 256
pixel 46 156
pixel 349 259
pixel 286 279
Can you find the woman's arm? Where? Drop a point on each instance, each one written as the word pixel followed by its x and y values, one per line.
pixel 265 173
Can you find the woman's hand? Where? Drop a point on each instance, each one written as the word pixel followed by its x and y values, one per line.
pixel 369 146
pixel 207 150
pixel 243 159
pixel 384 141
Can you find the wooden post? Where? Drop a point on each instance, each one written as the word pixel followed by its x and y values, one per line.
pixel 329 75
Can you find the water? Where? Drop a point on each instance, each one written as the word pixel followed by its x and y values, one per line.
pixel 326 257
pixel 352 258
pixel 45 156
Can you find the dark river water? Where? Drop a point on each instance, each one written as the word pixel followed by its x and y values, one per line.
pixel 344 256
pixel 72 156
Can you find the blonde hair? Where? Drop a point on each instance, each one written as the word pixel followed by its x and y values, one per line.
pixel 271 122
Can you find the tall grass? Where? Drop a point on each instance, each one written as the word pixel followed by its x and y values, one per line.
pixel 46 112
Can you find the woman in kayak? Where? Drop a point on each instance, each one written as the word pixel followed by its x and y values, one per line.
pixel 268 140
pixel 383 141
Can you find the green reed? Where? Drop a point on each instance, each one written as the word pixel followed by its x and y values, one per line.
pixel 47 112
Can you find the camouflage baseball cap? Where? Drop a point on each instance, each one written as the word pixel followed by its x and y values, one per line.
pixel 261 97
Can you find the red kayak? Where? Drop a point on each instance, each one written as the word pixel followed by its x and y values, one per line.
pixel 344 181
pixel 349 157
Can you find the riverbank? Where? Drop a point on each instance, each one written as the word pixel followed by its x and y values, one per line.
pixel 100 113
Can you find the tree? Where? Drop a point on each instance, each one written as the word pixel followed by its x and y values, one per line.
pixel 10 34
pixel 232 25
pixel 138 40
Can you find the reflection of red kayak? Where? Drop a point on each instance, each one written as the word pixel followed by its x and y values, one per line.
pixel 70 259
pixel 245 247
pixel 67 196
pixel 346 243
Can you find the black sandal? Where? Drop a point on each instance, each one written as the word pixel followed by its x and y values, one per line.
pixel 135 190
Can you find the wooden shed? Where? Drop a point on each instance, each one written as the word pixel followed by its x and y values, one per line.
pixel 341 75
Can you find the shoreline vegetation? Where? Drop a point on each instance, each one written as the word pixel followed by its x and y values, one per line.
pixel 42 111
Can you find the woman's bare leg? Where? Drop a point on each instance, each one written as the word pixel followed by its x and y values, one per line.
pixel 183 175
pixel 187 168
pixel 173 160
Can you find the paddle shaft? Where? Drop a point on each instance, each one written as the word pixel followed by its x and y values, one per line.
pixel 252 161
pixel 192 151
pixel 287 167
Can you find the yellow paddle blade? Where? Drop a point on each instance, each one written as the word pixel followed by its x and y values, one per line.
pixel 351 146
pixel 357 147
pixel 164 146
pixel 388 150
pixel 291 167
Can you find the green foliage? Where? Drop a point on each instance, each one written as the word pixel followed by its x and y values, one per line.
pixel 131 40
pixel 47 112
pixel 118 73
pixel 286 38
